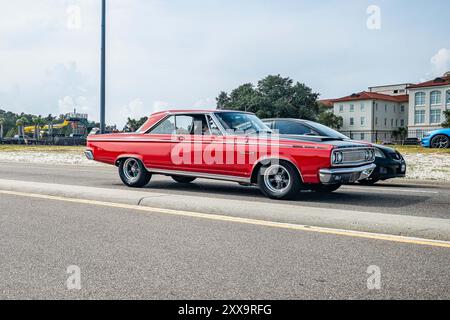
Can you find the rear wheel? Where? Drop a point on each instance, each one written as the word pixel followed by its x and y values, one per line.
pixel 133 173
pixel 183 179
pixel 279 181
pixel 440 142
pixel 322 188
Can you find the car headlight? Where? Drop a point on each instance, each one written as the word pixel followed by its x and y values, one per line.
pixel 379 153
pixel 369 155
pixel 338 157
pixel 427 134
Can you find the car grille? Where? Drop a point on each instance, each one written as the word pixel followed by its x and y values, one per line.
pixel 353 156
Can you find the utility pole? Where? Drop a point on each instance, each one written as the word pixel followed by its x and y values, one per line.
pixel 103 70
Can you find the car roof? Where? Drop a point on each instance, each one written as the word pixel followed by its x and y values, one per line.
pixel 182 111
pixel 286 119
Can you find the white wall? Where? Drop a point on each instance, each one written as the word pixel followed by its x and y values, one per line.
pixel 427 107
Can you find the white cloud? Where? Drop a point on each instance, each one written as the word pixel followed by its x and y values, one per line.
pixel 207 103
pixel 441 62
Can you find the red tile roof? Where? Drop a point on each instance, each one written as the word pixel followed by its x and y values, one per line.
pixel 441 81
pixel 327 102
pixel 373 96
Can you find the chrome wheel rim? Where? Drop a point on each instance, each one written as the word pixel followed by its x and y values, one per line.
pixel 277 179
pixel 131 170
pixel 440 142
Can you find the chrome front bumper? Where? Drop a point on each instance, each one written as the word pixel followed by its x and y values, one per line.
pixel 89 154
pixel 346 175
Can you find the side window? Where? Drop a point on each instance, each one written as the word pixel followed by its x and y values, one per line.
pixel 289 127
pixel 165 127
pixel 184 124
pixel 214 129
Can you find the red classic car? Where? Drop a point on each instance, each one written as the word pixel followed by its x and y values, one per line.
pixel 231 146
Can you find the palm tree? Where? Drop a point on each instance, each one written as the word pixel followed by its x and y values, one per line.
pixel 2 122
pixel 50 120
pixel 19 124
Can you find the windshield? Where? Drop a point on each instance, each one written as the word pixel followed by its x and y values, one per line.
pixel 241 123
pixel 326 131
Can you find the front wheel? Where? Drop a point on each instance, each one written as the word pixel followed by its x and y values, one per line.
pixel 440 142
pixel 133 173
pixel 279 181
pixel 183 179
pixel 322 188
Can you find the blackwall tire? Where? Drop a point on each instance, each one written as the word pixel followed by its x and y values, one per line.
pixel 321 188
pixel 133 173
pixel 184 179
pixel 279 181
pixel 440 142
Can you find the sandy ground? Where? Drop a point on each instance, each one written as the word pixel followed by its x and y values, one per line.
pixel 420 166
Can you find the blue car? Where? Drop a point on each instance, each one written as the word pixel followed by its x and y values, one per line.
pixel 438 139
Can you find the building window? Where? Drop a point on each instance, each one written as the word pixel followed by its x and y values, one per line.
pixel 363 121
pixel 435 98
pixel 376 106
pixel 435 116
pixel 352 108
pixel 341 108
pixel 420 99
pixel 396 122
pixel 376 121
pixel 448 97
pixel 362 106
pixel 352 121
pixel 419 117
pixel 385 122
pixel 385 107
pixel 363 136
pixel 402 123
pixel 402 108
pixel 351 135
pixel 392 122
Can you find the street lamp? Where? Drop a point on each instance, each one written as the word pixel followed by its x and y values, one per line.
pixel 103 71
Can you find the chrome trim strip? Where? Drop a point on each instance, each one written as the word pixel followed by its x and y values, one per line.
pixel 199 175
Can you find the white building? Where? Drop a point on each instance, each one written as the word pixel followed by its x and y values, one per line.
pixel 373 116
pixel 392 89
pixel 428 101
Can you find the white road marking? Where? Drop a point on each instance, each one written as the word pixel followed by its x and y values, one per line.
pixel 272 224
pixel 381 189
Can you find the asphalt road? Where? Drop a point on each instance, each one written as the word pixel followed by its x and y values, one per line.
pixel 126 254
pixel 404 198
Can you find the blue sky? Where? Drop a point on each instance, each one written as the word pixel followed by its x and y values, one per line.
pixel 180 54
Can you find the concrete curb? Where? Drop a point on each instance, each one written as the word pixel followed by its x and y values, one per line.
pixel 411 226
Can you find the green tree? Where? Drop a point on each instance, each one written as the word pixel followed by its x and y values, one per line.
pixel 133 125
pixel 21 122
pixel 2 123
pixel 329 119
pixel 273 97
pixel 446 123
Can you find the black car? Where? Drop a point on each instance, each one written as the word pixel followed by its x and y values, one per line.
pixel 390 163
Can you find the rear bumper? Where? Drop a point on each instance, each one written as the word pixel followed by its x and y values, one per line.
pixel 89 154
pixel 346 175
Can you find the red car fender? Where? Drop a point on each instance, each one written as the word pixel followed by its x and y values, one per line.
pixel 126 156
pixel 284 158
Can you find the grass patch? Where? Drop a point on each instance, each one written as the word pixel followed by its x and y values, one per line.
pixel 55 149
pixel 419 149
